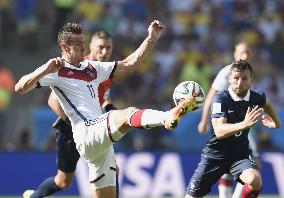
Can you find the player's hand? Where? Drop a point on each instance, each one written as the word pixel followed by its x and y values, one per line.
pixel 155 29
pixel 54 64
pixel 252 116
pixel 268 121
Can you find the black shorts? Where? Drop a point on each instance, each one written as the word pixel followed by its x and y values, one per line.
pixel 210 170
pixel 67 154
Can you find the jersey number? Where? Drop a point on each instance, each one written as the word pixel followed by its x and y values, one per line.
pixel 238 134
pixel 92 91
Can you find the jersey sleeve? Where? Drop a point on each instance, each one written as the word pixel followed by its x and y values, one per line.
pixel 219 106
pixel 261 99
pixel 106 70
pixel 48 80
pixel 221 82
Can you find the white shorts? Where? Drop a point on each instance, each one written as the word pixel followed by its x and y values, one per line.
pixel 94 140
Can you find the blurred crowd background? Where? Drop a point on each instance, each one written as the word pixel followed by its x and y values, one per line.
pixel 198 42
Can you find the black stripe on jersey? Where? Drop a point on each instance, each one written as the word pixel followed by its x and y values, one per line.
pixel 113 70
pixel 71 104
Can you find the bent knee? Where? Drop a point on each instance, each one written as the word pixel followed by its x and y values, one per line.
pixel 63 184
pixel 255 181
pixel 130 110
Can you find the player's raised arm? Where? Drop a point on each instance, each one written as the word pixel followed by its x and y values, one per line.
pixel 154 31
pixel 203 124
pixel 270 120
pixel 28 82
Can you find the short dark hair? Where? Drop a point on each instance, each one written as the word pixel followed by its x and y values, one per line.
pixel 67 30
pixel 101 34
pixel 241 65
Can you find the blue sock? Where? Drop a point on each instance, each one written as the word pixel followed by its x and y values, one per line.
pixel 47 187
pixel 117 187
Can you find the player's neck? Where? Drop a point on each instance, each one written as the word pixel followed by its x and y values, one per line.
pixel 92 57
pixel 75 63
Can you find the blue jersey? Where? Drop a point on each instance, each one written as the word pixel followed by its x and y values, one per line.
pixel 228 105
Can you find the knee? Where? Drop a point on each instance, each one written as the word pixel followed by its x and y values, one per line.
pixel 255 181
pixel 63 183
pixel 130 110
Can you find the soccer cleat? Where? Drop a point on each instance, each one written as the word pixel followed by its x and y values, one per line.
pixel 28 193
pixel 185 106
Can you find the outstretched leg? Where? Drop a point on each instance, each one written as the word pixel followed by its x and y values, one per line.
pixel 148 118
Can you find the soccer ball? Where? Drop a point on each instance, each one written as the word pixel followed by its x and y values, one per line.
pixel 187 87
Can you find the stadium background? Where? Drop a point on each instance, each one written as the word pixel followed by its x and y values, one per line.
pixel 199 41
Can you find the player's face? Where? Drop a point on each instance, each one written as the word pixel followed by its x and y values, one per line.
pixel 242 52
pixel 101 49
pixel 240 81
pixel 76 48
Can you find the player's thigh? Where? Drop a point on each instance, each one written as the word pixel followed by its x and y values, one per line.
pixel 206 174
pixel 102 170
pixel 242 163
pixel 121 118
pixel 109 192
pixel 96 137
pixel 103 178
pixel 67 154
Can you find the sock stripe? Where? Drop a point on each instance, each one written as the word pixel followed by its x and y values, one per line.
pixel 250 193
pixel 225 182
pixel 135 119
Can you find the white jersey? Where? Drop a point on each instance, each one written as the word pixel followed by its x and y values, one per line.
pixel 77 88
pixel 221 81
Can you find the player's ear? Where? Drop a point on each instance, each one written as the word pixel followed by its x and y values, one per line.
pixel 63 47
pixel 228 76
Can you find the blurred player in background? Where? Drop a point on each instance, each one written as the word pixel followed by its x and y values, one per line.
pixel 241 52
pixel 233 112
pixel 75 83
pixel 7 84
pixel 101 47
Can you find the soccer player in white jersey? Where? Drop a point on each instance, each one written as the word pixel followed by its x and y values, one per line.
pixel 241 52
pixel 67 156
pixel 75 82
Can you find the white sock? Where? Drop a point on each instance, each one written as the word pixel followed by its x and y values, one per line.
pixel 148 118
pixel 225 191
pixel 238 191
pixel 225 186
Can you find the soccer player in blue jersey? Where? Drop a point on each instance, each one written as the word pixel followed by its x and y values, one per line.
pixel 233 112
pixel 242 51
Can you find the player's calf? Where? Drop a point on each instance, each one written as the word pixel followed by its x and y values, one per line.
pixel 149 118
